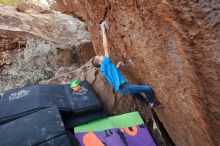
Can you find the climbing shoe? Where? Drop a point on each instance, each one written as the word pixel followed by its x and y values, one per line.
pixel 146 103
pixel 155 105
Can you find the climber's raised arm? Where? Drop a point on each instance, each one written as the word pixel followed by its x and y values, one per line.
pixel 105 38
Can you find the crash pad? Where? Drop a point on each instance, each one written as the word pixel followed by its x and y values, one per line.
pixel 85 99
pixel 120 121
pixel 70 121
pixel 39 128
pixel 19 102
pixel 123 130
pixel 62 140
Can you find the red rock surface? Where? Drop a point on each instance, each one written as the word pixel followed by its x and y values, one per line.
pixel 71 7
pixel 174 46
pixel 31 8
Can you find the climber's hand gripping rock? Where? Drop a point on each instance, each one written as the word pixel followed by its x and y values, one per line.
pixel 120 64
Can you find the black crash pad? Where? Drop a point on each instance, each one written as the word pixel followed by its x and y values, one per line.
pixel 40 128
pixel 72 121
pixel 85 99
pixel 23 101
pixel 59 141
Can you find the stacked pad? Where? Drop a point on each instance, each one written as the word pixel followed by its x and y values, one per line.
pixel 43 128
pixel 75 107
pixel 123 130
pixel 23 101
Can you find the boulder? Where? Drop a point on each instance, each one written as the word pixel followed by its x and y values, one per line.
pixel 34 46
pixel 31 8
pixel 174 47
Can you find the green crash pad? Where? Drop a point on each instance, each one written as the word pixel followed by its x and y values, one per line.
pixel 127 129
pixel 120 121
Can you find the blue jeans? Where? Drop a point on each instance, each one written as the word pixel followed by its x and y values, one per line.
pixel 135 90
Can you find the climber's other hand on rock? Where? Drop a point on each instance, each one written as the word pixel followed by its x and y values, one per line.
pixel 120 64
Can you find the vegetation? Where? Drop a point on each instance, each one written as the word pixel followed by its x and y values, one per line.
pixel 11 2
pixel 15 2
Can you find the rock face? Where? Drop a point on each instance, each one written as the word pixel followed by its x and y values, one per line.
pixel 174 46
pixel 34 46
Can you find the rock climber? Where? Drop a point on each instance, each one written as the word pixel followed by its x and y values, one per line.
pixel 117 80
